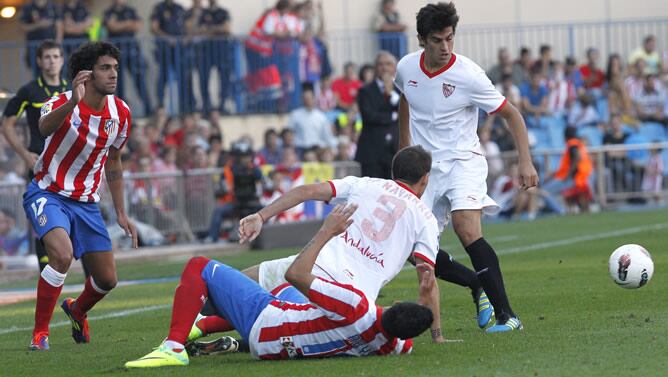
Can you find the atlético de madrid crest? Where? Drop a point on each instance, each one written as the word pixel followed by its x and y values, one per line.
pixel 448 90
pixel 109 126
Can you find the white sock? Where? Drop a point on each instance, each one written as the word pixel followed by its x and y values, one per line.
pixel 53 277
pixel 96 288
pixel 174 345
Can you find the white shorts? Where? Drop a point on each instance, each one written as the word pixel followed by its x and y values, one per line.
pixel 458 185
pixel 271 273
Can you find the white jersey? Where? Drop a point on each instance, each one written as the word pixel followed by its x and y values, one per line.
pixel 390 224
pixel 444 105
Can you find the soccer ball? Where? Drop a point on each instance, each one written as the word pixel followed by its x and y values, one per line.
pixel 631 266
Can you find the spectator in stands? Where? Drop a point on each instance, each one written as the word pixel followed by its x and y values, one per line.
pixel 8 173
pixel 562 95
pixel 345 88
pixel 217 154
pixel 616 161
pixel 593 77
pixel 309 124
pixel 387 23
pixel 507 87
pixel 513 203
pixel 366 74
pixel 524 63
pixel 648 53
pixel 545 61
pixel 40 20
pixel 325 99
pixel 349 123
pixel 379 105
pixel 618 98
pixel 123 23
pixel 345 149
pixel 214 49
pixel 172 53
pixel 571 180
pixel 76 22
pixel 271 153
pixel 13 241
pixel 504 67
pixel 583 113
pixel 492 153
pixel 310 155
pixel 325 155
pixel 535 100
pixel 287 139
pixel 653 179
pixel 573 76
pixel 650 103
pixel 635 82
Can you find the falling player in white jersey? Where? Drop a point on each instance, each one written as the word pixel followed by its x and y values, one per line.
pixel 390 225
pixel 441 95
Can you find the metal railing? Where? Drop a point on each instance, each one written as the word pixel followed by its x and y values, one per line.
pixel 174 71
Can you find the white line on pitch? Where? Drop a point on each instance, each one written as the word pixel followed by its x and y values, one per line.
pixel 122 313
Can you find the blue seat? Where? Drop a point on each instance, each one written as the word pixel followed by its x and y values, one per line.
pixel 652 131
pixel 603 109
pixel 641 156
pixel 593 135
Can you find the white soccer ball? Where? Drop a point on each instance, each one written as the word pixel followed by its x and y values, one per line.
pixel 631 266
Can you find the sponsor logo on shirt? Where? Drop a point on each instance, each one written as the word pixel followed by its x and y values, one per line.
pixel 365 251
pixel 46 108
pixel 289 345
pixel 448 90
pixel 412 83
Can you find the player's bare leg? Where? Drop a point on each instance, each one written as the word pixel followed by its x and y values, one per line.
pixel 59 250
pixel 467 226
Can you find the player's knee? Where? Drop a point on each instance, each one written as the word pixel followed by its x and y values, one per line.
pixel 107 283
pixel 467 236
pixel 60 259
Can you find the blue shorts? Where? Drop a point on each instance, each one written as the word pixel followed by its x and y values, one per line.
pixel 82 221
pixel 239 299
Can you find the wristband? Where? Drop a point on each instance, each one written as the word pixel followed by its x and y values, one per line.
pixel 261 218
pixel 435 333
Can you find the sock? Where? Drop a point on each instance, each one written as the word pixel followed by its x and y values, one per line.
pixel 213 324
pixel 48 289
pixel 188 299
pixel 87 299
pixel 486 264
pixel 452 271
pixel 174 346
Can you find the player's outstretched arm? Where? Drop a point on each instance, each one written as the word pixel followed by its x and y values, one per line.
pixel 250 226
pixel 12 138
pixel 299 273
pixel 114 173
pixel 527 172
pixel 430 297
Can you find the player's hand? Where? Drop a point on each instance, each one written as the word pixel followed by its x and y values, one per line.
pixel 78 85
pixel 428 278
pixel 130 229
pixel 250 227
pixel 339 219
pixel 527 175
pixel 30 159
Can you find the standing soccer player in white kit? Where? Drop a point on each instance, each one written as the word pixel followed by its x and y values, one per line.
pixel 441 95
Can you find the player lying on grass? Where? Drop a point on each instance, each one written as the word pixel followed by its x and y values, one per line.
pixel 391 225
pixel 339 320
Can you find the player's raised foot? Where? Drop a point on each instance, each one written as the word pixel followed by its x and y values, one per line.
pixel 162 356
pixel 40 342
pixel 195 332
pixel 226 344
pixel 510 324
pixel 80 332
pixel 484 309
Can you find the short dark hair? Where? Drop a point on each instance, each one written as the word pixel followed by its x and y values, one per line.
pixel 308 87
pixel 48 45
pixel 570 133
pixel 436 17
pixel 411 164
pixel 85 57
pixel 544 48
pixel 406 320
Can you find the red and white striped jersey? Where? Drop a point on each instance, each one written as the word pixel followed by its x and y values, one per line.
pixel 339 320
pixel 73 158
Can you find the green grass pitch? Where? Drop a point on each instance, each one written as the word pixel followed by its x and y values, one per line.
pixel 577 321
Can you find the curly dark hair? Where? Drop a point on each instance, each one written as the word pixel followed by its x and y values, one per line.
pixel 85 57
pixel 410 164
pixel 406 320
pixel 436 17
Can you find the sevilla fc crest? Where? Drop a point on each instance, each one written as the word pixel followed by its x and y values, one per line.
pixel 448 90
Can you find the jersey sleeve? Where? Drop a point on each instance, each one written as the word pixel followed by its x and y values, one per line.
pixel 52 104
pixel 426 244
pixel 339 302
pixel 398 78
pixel 484 95
pixel 17 104
pixel 126 124
pixel 343 188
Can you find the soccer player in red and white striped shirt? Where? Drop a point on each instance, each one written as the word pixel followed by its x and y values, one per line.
pixel 85 130
pixel 339 320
